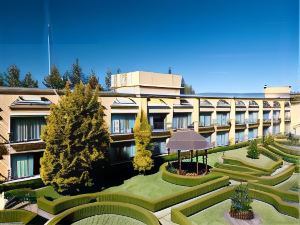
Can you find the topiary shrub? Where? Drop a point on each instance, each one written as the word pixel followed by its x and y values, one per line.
pixel 253 152
pixel 241 203
pixel 268 140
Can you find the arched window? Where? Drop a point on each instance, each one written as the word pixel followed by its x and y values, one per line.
pixel 223 103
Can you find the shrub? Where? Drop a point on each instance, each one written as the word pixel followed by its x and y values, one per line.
pixel 16 215
pixel 34 183
pixel 166 201
pixel 99 208
pixel 288 151
pixel 268 140
pixel 253 152
pixel 58 205
pixel 22 194
pixel 240 201
pixel 285 156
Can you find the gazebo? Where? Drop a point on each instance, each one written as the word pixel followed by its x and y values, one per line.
pixel 188 140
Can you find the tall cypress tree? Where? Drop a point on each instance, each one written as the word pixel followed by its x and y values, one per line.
pixel 77 140
pixel 108 80
pixel 54 80
pixel 142 135
pixel 29 82
pixel 12 77
pixel 76 74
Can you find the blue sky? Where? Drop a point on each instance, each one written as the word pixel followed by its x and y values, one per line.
pixel 217 45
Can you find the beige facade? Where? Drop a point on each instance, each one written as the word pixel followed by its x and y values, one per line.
pixel 221 120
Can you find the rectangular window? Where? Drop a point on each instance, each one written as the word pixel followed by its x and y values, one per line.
pixel 222 138
pixel 159 147
pixel 253 116
pixel 240 118
pixel 22 165
pixel 266 115
pixel 122 123
pixel 239 136
pixel 253 133
pixel 26 128
pixel 205 119
pixel 276 114
pixel 122 152
pixel 222 118
pixel 181 120
pixel 276 129
pixel 158 121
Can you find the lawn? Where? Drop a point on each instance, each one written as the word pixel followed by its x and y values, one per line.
pixel 291 184
pixel 267 213
pixel 241 154
pixel 108 219
pixel 150 186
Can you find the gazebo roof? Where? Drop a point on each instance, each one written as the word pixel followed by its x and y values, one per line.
pixel 187 140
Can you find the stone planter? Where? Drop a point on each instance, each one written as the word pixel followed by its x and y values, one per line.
pixel 242 215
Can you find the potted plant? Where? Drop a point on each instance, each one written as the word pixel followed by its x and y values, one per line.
pixel 240 204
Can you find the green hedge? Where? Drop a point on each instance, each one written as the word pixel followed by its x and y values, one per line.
pixel 268 180
pixel 61 204
pixel 34 183
pixel 288 151
pixel 22 194
pixel 275 201
pixel 269 154
pixel 185 180
pixel 166 201
pixel 287 142
pixel 100 208
pixel 234 161
pixel 244 169
pixel 16 215
pixel 284 195
pixel 285 156
pixel 179 215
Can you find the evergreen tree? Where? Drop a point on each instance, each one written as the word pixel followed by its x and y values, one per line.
pixel 142 135
pixel 241 201
pixel 93 80
pixel 253 152
pixel 12 77
pixel 170 70
pixel 76 74
pixel 77 140
pixel 108 80
pixel 54 79
pixel 187 89
pixel 2 80
pixel 118 70
pixel 29 82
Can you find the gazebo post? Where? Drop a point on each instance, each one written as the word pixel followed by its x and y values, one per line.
pixel 206 161
pixel 168 154
pixel 202 159
pixel 197 164
pixel 179 161
pixel 191 155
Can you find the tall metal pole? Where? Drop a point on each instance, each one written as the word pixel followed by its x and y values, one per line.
pixel 49 50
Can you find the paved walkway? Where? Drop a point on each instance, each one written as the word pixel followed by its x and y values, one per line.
pixel 34 208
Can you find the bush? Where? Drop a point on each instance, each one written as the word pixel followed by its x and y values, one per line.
pixel 185 180
pixel 288 151
pixel 58 205
pixel 240 201
pixel 275 201
pixel 100 208
pixel 22 194
pixel 16 215
pixel 253 152
pixel 34 183
pixel 228 148
pixel 244 169
pixel 285 156
pixel 179 215
pixel 284 195
pixel 268 140
pixel 166 201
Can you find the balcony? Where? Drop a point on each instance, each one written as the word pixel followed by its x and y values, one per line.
pixel 223 126
pixel 253 123
pixel 124 136
pixel 28 146
pixel 266 122
pixel 206 128
pixel 240 125
pixel 287 118
pixel 276 120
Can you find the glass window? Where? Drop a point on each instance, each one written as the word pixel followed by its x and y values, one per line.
pixel 240 118
pixel 222 118
pixel 205 119
pixel 26 128
pixel 253 116
pixel 181 120
pixel 122 123
pixel 222 138
pixel 22 165
pixel 122 152
pixel 239 136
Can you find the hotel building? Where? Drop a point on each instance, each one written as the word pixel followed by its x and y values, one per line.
pixel 222 119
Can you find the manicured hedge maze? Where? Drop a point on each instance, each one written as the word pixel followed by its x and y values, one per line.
pixel 16 216
pixel 99 208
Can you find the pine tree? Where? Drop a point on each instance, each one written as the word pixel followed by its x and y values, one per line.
pixel 76 74
pixel 29 82
pixel 2 80
pixel 54 80
pixel 253 152
pixel 12 77
pixel 142 134
pixel 93 80
pixel 186 89
pixel 108 80
pixel 77 140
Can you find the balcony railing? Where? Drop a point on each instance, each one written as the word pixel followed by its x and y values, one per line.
pixel 276 120
pixel 287 118
pixel 240 122
pixel 12 139
pixel 267 120
pixel 205 124
pixel 253 121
